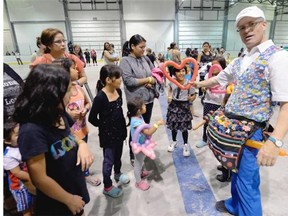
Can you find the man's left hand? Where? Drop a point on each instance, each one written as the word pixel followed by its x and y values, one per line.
pixel 268 154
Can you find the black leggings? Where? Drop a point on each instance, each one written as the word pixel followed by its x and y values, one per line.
pixel 184 135
pixel 200 90
pixel 94 60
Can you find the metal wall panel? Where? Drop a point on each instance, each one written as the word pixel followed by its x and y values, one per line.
pixel 93 34
pixel 281 33
pixel 194 33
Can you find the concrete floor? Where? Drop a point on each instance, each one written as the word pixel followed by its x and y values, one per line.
pixel 179 186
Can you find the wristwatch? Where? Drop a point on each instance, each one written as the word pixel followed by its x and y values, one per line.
pixel 277 142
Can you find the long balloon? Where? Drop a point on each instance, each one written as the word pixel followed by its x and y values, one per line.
pixel 177 66
pixel 147 147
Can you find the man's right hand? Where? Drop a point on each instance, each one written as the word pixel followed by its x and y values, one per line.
pixel 196 84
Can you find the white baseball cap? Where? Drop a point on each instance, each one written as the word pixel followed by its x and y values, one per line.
pixel 252 11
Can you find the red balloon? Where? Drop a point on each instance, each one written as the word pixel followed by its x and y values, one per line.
pixel 175 65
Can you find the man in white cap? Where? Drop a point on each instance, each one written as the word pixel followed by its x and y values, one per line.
pixel 261 77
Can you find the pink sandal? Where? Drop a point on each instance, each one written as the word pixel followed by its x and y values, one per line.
pixel 142 185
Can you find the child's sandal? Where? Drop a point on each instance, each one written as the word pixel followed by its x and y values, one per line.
pixel 114 192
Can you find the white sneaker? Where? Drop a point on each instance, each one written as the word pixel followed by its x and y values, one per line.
pixel 186 150
pixel 172 146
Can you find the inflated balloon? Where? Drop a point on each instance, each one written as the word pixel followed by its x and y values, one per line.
pixel 258 145
pixel 147 147
pixel 183 63
pixel 214 67
pixel 230 88
pixel 216 89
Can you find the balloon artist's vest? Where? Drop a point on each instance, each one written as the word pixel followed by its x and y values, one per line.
pixel 252 97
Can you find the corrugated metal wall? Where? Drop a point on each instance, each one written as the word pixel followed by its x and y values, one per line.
pixel 194 33
pixel 281 36
pixel 93 34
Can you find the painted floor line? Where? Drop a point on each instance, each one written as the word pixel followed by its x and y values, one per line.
pixel 197 195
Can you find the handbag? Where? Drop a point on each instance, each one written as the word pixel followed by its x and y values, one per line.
pixel 227 136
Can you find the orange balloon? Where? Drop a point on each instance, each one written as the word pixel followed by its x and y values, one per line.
pixel 183 63
pixel 258 145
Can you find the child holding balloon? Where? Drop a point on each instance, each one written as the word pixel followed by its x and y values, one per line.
pixel 136 108
pixel 179 116
pixel 212 100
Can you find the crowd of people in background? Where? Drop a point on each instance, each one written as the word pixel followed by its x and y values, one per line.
pixel 112 56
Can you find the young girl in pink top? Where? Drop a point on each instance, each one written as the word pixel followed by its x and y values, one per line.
pixel 77 108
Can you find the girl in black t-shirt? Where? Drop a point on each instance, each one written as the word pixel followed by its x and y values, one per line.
pixel 52 154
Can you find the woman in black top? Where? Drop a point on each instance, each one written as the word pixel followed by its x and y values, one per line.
pixel 204 58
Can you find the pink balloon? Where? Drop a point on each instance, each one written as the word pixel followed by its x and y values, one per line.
pixel 212 68
pixel 216 89
pixel 147 147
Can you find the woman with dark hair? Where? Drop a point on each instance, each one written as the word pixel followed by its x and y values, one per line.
pixel 137 78
pixel 55 46
pixel 55 158
pixel 173 55
pixel 79 53
pixel 125 49
pixel 203 59
pixel 107 54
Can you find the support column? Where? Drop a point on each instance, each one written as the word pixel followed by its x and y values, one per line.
pixel 122 24
pixel 176 23
pixel 12 29
pixel 67 21
pixel 225 24
pixel 273 25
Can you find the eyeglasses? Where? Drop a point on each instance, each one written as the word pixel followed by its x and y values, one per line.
pixel 60 41
pixel 250 26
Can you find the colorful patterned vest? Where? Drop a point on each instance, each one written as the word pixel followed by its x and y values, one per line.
pixel 252 97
